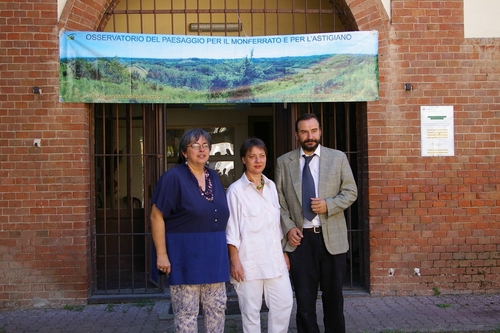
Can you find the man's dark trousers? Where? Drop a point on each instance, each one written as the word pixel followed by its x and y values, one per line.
pixel 311 265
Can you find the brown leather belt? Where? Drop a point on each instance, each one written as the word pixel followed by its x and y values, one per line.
pixel 316 230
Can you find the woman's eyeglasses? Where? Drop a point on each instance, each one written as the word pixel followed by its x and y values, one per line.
pixel 197 146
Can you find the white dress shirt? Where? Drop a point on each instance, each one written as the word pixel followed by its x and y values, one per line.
pixel 254 228
pixel 314 167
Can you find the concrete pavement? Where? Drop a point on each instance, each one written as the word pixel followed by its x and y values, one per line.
pixel 364 314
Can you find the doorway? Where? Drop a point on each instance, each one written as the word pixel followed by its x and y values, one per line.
pixel 134 144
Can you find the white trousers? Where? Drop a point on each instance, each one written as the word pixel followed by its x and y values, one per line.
pixel 279 300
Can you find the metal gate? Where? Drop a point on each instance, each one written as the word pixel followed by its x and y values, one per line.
pixel 127 138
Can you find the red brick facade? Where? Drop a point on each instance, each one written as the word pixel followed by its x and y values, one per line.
pixel 44 192
pixel 439 214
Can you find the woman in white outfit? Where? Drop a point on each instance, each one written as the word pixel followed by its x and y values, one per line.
pixel 258 265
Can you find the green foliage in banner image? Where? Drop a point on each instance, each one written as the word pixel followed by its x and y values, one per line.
pixel 194 80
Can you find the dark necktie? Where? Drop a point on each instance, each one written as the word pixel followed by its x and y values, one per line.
pixel 308 189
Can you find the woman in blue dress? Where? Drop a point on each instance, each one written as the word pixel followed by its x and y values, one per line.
pixel 188 223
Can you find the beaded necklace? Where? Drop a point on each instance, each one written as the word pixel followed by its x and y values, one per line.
pixel 261 183
pixel 208 194
pixel 258 187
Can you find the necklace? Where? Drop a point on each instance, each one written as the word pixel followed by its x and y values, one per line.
pixel 208 194
pixel 261 183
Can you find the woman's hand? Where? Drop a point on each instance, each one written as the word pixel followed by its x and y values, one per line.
pixel 237 270
pixel 287 260
pixel 163 263
pixel 158 233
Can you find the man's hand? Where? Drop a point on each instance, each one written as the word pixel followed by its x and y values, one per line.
pixel 294 236
pixel 318 206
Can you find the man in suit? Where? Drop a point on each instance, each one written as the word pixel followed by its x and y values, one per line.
pixel 316 244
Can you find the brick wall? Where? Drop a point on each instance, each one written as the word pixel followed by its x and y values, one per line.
pixel 439 214
pixel 44 192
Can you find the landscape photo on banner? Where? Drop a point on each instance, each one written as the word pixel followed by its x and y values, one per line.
pixel 101 67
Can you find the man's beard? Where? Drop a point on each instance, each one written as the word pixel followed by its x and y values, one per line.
pixel 309 149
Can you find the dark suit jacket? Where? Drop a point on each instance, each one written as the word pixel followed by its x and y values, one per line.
pixel 336 185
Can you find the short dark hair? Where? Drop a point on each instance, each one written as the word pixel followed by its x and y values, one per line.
pixel 189 137
pixel 304 116
pixel 249 144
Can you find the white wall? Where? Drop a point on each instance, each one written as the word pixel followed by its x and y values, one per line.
pixel 387 6
pixel 481 18
pixel 60 6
